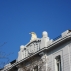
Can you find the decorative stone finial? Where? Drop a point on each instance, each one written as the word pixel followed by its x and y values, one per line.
pixel 45 34
pixel 21 47
pixel 33 36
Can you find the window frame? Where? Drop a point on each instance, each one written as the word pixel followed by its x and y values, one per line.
pixel 58 63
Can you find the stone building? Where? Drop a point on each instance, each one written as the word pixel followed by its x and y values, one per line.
pixel 43 54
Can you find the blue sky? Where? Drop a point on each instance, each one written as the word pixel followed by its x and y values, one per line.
pixel 19 17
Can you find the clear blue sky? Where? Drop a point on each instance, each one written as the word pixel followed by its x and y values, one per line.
pixel 19 17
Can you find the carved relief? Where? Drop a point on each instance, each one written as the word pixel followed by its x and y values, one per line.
pixel 20 69
pixel 33 47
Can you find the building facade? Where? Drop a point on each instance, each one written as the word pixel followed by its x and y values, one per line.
pixel 44 54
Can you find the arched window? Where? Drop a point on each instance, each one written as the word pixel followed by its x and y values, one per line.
pixel 58 63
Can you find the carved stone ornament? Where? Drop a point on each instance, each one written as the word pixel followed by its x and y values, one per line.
pixel 33 47
pixel 20 69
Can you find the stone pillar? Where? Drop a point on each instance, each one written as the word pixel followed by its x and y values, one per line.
pixel 44 60
pixel 25 52
pixel 44 40
pixel 20 53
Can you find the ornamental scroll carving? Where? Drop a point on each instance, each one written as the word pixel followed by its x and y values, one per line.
pixel 33 47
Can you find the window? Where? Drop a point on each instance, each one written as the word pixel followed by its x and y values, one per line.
pixel 35 68
pixel 58 63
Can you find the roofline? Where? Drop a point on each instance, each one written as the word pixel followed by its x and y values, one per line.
pixel 61 39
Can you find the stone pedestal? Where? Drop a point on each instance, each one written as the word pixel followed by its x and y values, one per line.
pixel 44 39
